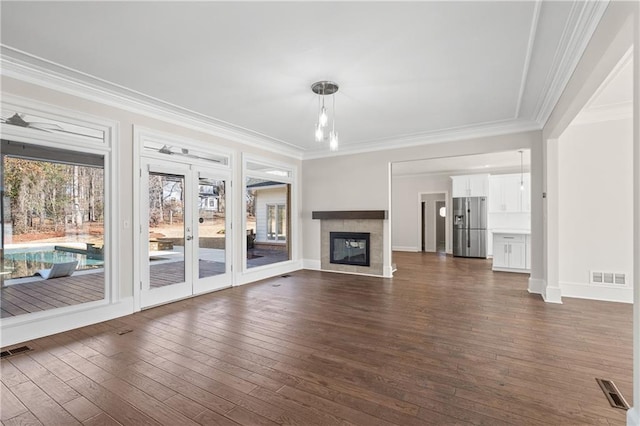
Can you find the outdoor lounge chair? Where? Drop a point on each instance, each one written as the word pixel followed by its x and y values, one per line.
pixel 58 270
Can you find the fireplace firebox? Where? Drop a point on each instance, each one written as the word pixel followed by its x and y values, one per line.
pixel 349 248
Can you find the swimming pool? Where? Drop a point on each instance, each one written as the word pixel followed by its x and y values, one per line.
pixel 25 262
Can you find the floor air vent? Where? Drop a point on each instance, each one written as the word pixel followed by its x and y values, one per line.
pixel 121 332
pixel 15 351
pixel 612 393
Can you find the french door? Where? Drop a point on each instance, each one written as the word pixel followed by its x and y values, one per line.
pixel 184 231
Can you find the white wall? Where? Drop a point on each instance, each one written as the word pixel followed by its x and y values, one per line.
pixel 595 207
pixel 405 199
pixel 362 182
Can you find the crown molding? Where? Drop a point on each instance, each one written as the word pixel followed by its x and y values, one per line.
pixel 492 171
pixel 580 26
pixel 527 58
pixel 31 69
pixel 427 138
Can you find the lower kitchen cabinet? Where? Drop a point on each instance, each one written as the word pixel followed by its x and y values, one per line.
pixel 510 252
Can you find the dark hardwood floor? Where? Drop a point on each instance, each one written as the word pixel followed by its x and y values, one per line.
pixel 446 341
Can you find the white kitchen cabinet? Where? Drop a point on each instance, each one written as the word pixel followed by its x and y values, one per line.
pixel 470 186
pixel 506 195
pixel 510 252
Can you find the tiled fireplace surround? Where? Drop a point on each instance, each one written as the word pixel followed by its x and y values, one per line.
pixel 370 221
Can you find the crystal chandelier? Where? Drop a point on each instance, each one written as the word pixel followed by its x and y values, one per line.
pixel 323 89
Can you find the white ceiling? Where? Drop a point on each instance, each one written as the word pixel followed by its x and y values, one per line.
pixel 409 72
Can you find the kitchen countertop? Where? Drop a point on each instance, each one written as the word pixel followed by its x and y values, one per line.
pixel 511 231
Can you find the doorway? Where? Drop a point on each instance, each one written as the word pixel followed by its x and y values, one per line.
pixel 441 226
pixel 433 226
pixel 184 228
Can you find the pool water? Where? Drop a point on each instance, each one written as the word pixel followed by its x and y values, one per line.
pixel 26 263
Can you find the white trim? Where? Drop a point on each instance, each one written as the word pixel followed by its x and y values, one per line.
pixel 312 264
pixel 536 286
pixel 29 330
pixel 448 246
pixel 32 69
pixel 268 271
pixel 527 59
pixel 386 273
pixel 633 417
pixel 294 238
pixel 514 270
pixel 427 138
pixel 190 168
pixel 583 19
pixel 606 293
pixel 65 318
pixel 552 295
pixel 405 248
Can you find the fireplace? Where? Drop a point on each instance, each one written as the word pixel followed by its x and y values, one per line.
pixel 349 248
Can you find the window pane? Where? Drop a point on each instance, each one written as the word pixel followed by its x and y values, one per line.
pixel 267 209
pixel 53 242
pixel 166 229
pixel 211 227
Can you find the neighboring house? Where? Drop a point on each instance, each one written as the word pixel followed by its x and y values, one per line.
pixel 208 199
pixel 271 213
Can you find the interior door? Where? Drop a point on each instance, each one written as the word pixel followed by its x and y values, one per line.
pixel 184 244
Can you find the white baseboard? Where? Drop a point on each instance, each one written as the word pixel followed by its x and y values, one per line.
pixel 405 248
pixel 15 330
pixel 536 286
pixel 552 294
pixel 312 264
pixel 316 265
pixel 633 416
pixel 388 271
pixel 268 271
pixel 606 293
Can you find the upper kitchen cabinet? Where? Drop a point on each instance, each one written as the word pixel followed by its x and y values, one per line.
pixel 470 186
pixel 506 194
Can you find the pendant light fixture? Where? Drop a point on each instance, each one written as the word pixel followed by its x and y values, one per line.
pixel 322 89
pixel 521 172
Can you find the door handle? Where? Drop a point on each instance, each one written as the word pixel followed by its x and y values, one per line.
pixel 189 238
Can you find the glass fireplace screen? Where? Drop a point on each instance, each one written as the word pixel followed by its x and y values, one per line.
pixel 349 248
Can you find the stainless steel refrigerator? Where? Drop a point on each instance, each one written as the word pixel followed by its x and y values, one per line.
pixel 470 227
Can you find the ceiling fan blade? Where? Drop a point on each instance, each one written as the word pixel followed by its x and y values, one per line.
pixel 44 126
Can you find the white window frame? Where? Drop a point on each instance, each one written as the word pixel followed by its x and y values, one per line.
pixel 142 134
pixel 294 263
pixel 37 324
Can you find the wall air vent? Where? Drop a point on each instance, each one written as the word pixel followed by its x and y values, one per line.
pixel 609 278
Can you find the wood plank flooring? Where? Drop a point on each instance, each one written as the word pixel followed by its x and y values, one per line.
pixel 446 341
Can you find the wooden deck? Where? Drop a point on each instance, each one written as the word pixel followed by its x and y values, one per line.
pixel 446 341
pixel 41 295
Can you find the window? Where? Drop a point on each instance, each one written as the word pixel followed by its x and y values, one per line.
pixel 53 228
pixel 268 214
pixel 276 222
